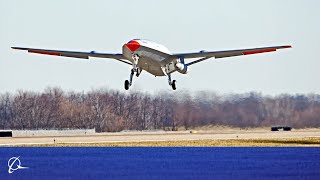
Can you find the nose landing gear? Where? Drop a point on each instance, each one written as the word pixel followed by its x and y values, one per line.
pixel 128 83
pixel 135 69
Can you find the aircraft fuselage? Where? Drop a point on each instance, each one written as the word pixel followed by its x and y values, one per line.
pixel 152 56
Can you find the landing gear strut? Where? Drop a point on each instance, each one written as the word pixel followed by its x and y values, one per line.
pixel 172 83
pixel 135 69
pixel 128 83
pixel 165 72
pixel 138 72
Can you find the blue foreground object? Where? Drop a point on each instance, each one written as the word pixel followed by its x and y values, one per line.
pixel 162 163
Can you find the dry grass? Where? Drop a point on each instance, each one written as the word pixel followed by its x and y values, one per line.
pixel 199 143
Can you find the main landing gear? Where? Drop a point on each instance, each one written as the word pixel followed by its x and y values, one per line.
pixel 165 71
pixel 172 83
pixel 135 69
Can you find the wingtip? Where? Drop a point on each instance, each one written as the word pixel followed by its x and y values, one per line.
pixel 285 47
pixel 19 48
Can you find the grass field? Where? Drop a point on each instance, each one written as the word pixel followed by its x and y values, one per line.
pixel 199 143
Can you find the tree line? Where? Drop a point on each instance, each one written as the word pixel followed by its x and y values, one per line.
pixel 111 111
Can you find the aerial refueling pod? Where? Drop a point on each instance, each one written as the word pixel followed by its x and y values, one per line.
pixel 182 68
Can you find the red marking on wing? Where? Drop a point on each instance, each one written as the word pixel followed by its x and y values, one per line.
pixel 133 45
pixel 259 51
pixel 45 52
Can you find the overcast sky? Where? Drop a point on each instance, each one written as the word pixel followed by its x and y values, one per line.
pixel 182 26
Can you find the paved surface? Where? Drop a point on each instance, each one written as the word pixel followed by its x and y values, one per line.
pixel 159 136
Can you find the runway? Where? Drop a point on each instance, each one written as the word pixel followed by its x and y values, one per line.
pixel 161 136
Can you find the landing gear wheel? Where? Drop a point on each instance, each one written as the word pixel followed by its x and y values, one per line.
pixel 173 85
pixel 126 84
pixel 138 72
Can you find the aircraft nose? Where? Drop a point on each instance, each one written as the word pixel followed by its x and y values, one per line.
pixel 133 45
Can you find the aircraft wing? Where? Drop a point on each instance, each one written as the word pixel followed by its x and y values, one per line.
pixel 222 54
pixel 74 54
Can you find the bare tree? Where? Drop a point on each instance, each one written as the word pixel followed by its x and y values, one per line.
pixel 108 110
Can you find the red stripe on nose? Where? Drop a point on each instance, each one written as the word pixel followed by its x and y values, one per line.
pixel 133 45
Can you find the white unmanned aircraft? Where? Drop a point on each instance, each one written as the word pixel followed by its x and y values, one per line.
pixel 154 58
